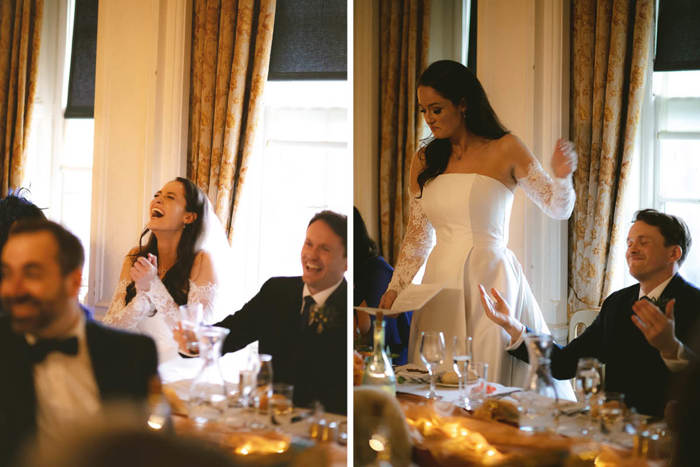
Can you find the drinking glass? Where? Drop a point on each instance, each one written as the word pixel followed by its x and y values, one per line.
pixel 588 383
pixel 207 398
pixel 280 404
pixel 461 356
pixel 477 391
pixel 432 352
pixel 190 315
pixel 263 390
pixel 247 383
pixel 612 412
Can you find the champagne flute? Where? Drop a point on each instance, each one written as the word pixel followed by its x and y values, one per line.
pixel 461 356
pixel 432 352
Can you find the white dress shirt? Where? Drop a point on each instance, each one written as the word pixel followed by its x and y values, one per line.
pixel 319 297
pixel 65 386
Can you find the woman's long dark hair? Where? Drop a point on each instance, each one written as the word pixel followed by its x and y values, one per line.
pixel 176 280
pixel 455 82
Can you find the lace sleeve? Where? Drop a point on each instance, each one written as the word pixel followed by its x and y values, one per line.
pixel 127 316
pixel 556 197
pixel 414 248
pixel 206 295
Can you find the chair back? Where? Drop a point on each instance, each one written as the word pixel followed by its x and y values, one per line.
pixel 580 321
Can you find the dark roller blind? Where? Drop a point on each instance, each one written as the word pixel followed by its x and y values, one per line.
pixel 81 81
pixel 678 36
pixel 471 51
pixel 309 40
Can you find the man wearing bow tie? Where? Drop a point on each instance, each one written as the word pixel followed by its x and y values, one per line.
pixel 56 366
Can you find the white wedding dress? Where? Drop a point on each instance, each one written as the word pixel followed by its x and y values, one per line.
pixel 470 214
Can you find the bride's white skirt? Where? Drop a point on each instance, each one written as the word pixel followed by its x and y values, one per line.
pixel 457 311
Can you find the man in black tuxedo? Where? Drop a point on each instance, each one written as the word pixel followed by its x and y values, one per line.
pixel 302 321
pixel 56 365
pixel 639 343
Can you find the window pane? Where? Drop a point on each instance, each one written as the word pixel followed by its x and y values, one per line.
pixel 677 83
pixel 679 168
pixel 690 213
pixel 679 115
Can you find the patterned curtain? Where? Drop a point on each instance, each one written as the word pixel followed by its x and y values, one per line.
pixel 231 42
pixel 610 50
pixel 20 34
pixel 403 37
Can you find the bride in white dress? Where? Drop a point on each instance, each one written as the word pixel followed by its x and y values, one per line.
pixel 462 185
pixel 184 261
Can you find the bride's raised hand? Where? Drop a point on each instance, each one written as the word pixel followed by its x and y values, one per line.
pixel 387 299
pixel 143 271
pixel 499 312
pixel 564 158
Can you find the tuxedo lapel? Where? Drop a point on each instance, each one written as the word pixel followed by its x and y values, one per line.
pixel 100 356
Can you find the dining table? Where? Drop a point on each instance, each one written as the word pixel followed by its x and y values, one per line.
pixel 445 432
pixel 248 433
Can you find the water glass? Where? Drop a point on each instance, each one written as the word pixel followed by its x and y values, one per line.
pixel 476 392
pixel 461 356
pixel 432 352
pixel 190 315
pixel 588 383
pixel 280 404
pixel 247 383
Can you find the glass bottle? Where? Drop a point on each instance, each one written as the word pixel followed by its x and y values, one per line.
pixel 538 405
pixel 378 371
pixel 207 400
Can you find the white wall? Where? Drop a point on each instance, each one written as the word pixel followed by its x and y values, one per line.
pixel 141 92
pixel 522 62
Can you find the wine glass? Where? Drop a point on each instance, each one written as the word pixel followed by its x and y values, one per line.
pixel 588 383
pixel 461 356
pixel 432 352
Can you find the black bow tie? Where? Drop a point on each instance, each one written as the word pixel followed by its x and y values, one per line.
pixel 43 347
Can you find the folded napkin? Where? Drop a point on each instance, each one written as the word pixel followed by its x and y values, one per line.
pixel 412 373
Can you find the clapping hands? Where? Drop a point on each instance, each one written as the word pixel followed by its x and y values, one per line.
pixel 564 159
pixel 143 271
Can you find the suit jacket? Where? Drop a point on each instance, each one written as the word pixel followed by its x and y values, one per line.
pixel 633 366
pixel 123 364
pixel 315 363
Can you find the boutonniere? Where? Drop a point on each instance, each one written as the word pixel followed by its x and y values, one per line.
pixel 324 317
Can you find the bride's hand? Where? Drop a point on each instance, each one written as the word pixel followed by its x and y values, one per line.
pixel 500 313
pixel 564 159
pixel 143 272
pixel 387 299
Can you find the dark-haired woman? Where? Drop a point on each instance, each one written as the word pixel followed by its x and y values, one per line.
pixel 371 276
pixel 462 184
pixel 182 262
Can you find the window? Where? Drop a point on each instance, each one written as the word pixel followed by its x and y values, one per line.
pixel 301 166
pixel 676 158
pixel 59 154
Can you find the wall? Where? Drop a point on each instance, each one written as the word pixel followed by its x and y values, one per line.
pixel 528 39
pixel 141 93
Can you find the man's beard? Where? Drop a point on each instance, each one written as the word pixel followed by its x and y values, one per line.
pixel 46 312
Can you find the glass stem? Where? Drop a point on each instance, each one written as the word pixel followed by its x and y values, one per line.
pixel 432 381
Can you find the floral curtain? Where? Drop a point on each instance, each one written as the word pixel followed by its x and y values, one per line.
pixel 403 39
pixel 231 42
pixel 20 35
pixel 610 51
